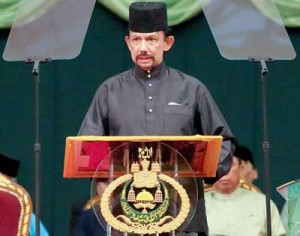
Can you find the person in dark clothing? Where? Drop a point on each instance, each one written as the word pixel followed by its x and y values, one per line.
pixel 87 225
pixel 83 220
pixel 154 99
pixel 76 211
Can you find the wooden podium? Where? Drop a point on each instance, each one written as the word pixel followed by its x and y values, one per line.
pixel 86 154
pixel 152 179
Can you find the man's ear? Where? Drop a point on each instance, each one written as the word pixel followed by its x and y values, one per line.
pixel 242 169
pixel 169 42
pixel 127 42
pixel 243 165
pixel 254 174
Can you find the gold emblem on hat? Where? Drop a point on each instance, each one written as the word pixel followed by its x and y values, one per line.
pixel 145 199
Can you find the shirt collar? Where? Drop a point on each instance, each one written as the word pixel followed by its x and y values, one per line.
pixel 224 197
pixel 153 73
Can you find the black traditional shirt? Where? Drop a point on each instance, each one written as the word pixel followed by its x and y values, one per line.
pixel 163 101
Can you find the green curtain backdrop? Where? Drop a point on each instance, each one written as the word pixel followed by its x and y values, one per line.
pixel 178 11
pixel 31 9
pixel 289 11
pixel 7 12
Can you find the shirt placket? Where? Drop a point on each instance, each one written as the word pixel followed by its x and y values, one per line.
pixel 230 215
pixel 150 111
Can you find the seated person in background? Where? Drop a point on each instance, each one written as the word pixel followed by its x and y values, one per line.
pixel 10 167
pixel 235 211
pixel 249 172
pixel 87 223
pixel 77 209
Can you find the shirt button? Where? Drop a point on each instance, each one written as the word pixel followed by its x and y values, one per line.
pixel 149 85
pixel 150 110
pixel 150 98
pixel 149 76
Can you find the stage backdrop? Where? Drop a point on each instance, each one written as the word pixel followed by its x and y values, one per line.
pixel 67 88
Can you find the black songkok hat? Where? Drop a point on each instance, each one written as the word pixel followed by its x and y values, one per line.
pixel 244 154
pixel 9 166
pixel 147 17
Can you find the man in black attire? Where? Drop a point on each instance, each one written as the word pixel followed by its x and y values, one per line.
pixel 154 99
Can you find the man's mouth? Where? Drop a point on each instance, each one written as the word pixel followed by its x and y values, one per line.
pixel 144 57
pixel 224 181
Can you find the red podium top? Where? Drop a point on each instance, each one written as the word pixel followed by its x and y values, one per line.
pixel 90 156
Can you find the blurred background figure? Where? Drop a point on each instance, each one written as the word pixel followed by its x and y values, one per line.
pixel 87 223
pixel 249 172
pixel 10 167
pixel 234 210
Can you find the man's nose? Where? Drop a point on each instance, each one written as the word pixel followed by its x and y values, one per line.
pixel 144 46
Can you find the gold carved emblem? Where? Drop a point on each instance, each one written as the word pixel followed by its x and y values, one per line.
pixel 145 199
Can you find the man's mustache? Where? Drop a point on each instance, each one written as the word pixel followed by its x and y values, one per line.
pixel 144 55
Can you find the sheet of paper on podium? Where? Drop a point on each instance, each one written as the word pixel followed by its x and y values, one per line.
pixel 90 156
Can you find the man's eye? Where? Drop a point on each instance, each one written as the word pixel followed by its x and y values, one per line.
pixel 135 41
pixel 152 41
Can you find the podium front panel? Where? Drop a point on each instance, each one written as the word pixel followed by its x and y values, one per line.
pixel 84 154
pixel 145 192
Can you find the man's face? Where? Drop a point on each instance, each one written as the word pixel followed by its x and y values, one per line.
pixel 249 173
pixel 228 183
pixel 101 186
pixel 147 49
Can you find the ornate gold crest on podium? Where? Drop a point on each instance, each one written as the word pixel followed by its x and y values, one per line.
pixel 144 199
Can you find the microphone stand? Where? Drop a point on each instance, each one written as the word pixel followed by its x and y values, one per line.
pixel 265 144
pixel 37 145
